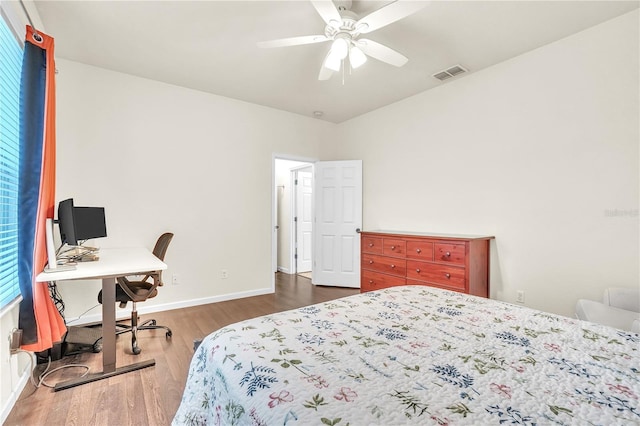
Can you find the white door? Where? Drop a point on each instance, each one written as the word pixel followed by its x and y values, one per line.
pixel 338 209
pixel 304 220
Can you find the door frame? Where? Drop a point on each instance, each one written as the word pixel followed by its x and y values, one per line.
pixel 274 206
pixel 294 211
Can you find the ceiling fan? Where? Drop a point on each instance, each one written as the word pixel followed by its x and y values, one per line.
pixel 344 30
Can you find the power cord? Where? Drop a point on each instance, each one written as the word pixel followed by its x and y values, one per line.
pixel 15 349
pixel 56 297
pixel 41 378
pixel 81 315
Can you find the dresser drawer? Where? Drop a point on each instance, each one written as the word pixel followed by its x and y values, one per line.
pixel 371 280
pixel 453 276
pixel 421 250
pixel 371 245
pixel 446 252
pixel 384 264
pixel 392 247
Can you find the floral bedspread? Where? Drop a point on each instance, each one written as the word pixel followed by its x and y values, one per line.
pixel 414 355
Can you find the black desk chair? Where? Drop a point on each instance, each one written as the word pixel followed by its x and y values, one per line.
pixel 139 291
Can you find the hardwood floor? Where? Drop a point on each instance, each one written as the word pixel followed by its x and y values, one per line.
pixel 151 396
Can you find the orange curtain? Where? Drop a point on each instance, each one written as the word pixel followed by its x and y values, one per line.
pixel 39 319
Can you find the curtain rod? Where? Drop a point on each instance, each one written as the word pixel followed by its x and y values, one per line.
pixel 36 36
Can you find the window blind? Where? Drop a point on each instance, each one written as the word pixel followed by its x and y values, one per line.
pixel 11 60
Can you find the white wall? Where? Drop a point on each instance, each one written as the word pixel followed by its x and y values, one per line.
pixel 536 151
pixel 165 158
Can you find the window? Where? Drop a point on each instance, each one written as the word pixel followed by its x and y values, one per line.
pixel 11 60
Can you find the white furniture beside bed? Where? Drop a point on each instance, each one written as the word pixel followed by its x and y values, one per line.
pixel 620 308
pixel 112 263
pixel 453 262
pixel 414 355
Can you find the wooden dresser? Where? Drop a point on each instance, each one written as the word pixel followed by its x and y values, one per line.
pixel 453 262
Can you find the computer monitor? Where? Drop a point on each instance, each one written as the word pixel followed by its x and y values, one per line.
pixel 66 222
pixel 90 223
pixel 78 224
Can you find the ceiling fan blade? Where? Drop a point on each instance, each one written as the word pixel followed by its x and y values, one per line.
pixel 381 52
pixel 293 41
pixel 327 11
pixel 388 14
pixel 325 73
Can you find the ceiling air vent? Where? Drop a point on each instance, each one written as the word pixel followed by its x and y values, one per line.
pixel 450 72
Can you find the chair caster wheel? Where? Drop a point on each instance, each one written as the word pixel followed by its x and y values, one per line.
pixel 136 350
pixel 153 322
pixel 168 334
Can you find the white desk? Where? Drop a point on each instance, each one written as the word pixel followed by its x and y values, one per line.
pixel 112 263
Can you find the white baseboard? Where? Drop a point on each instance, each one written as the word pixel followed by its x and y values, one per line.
pixel 17 390
pixel 284 270
pixel 122 314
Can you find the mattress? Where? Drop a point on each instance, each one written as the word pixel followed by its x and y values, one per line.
pixel 413 355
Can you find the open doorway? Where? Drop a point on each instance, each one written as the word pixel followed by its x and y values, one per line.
pixel 336 212
pixel 293 216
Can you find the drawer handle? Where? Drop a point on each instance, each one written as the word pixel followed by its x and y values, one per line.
pixel 393 266
pixel 447 254
pixel 447 275
pixel 418 270
pixel 371 262
pixel 393 247
pixel 370 244
pixel 418 251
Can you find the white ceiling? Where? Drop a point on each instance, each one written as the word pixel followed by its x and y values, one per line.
pixel 211 45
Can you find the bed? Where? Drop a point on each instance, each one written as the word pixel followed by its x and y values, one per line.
pixel 413 355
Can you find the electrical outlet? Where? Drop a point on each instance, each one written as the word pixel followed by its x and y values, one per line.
pixel 224 274
pixel 520 296
pixel 175 279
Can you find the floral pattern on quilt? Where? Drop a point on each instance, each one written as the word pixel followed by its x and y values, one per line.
pixel 414 355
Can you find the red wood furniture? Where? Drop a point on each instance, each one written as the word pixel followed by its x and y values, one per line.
pixel 453 262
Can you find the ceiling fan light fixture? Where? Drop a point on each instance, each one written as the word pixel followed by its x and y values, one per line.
pixel 332 62
pixel 340 48
pixel 356 57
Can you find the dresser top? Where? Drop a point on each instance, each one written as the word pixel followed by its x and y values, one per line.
pixel 429 234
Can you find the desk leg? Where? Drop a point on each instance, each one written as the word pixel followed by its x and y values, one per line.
pixel 108 342
pixel 108 325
